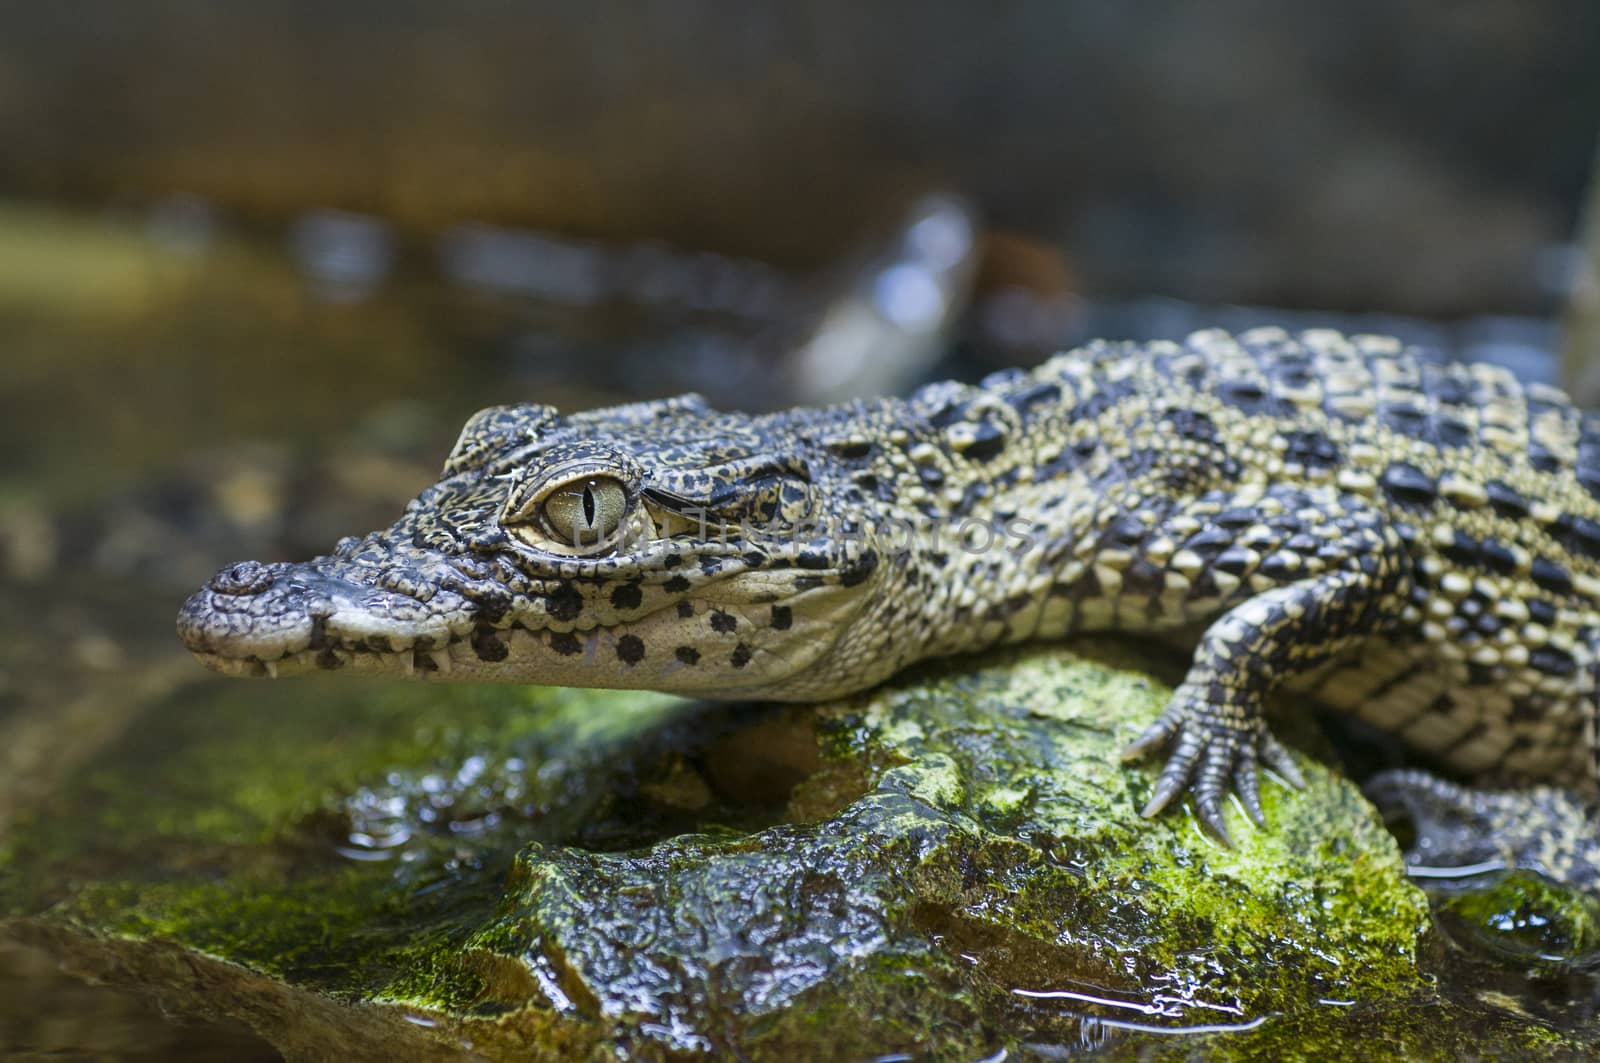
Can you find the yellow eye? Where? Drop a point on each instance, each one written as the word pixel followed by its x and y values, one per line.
pixel 588 512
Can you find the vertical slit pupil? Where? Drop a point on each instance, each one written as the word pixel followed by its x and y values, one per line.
pixel 588 505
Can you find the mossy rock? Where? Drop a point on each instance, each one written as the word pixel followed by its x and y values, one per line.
pixel 947 867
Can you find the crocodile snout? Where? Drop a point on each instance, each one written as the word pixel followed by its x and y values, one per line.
pixel 326 609
pixel 248 610
pixel 242 578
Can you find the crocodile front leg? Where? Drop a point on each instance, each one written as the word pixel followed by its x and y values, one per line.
pixel 1317 583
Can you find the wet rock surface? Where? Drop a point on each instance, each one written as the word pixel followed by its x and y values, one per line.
pixel 948 867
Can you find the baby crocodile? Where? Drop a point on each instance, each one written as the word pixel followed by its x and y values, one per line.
pixel 1407 540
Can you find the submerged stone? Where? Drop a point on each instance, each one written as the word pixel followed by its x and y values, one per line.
pixel 948 867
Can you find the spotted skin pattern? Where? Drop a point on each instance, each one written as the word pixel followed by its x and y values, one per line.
pixel 1406 540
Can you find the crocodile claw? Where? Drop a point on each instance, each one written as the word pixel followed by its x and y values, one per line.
pixel 1213 751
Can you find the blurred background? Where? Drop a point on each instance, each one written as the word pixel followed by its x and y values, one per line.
pixel 275 220
pixel 259 261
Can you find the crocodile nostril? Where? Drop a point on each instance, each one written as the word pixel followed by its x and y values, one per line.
pixel 245 577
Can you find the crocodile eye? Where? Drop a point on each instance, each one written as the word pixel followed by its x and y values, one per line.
pixel 586 513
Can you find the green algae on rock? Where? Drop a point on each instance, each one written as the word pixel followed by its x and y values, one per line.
pixel 948 866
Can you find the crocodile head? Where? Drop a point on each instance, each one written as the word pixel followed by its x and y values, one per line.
pixel 658 545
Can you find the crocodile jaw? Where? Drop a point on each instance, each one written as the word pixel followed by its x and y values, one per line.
pixel 724 639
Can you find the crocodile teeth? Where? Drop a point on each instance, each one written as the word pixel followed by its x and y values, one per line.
pixel 271 668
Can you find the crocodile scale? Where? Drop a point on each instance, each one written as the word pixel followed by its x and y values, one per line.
pixel 1404 539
